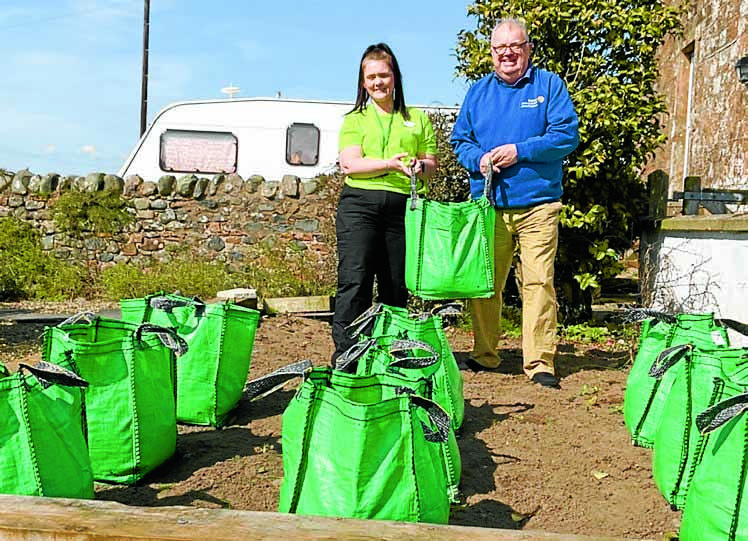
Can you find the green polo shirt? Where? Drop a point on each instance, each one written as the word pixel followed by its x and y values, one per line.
pixel 381 136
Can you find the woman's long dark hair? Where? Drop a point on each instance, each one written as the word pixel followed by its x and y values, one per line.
pixel 381 51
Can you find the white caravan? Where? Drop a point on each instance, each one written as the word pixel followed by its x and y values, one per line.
pixel 271 137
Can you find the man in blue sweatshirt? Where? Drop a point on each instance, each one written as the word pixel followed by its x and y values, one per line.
pixel 520 121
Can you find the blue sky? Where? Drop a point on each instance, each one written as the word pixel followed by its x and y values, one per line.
pixel 71 69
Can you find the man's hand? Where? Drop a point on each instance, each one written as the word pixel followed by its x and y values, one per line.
pixel 504 156
pixel 484 161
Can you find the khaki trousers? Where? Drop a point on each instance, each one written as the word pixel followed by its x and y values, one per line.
pixel 535 232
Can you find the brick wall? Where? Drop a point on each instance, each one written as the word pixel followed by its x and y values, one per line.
pixel 703 59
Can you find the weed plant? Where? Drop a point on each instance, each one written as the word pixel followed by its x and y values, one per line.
pixel 186 274
pixel 27 272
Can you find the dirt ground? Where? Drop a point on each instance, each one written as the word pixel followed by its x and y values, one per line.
pixel 533 458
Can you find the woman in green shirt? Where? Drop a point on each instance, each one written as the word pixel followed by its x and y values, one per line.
pixel 380 144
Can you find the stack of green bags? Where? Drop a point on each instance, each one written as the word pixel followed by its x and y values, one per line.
pixel 683 399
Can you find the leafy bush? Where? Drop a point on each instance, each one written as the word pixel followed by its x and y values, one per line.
pixel 27 272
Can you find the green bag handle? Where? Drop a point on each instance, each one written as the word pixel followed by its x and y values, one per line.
pixel 357 326
pixel 438 417
pixel 85 317
pixel 736 326
pixel 667 359
pixel 167 304
pixel 487 183
pixel 166 335
pixel 721 413
pixel 348 361
pixel 399 350
pixel 447 309
pixel 268 384
pixel 634 315
pixel 48 374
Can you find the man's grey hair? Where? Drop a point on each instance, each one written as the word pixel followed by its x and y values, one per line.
pixel 513 21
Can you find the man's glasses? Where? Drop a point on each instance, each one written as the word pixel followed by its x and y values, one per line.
pixel 504 47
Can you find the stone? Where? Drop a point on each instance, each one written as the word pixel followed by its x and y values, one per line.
pixel 132 182
pixel 208 204
pixel 201 188
pixel 308 226
pixel 309 187
pixel 141 203
pixel 32 204
pixel 95 244
pixel 49 183
pixel 214 184
pixel 167 216
pixel 93 182
pixel 290 186
pixel 186 185
pixel 34 183
pixel 253 183
pixel 216 244
pixel 66 183
pixel 166 184
pixel 159 204
pixel 5 180
pixel 152 245
pixel 149 188
pixel 48 242
pixel 20 183
pixel 113 183
pixel 270 190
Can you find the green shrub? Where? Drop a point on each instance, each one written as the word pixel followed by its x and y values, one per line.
pixel 27 272
pixel 77 212
pixel 186 274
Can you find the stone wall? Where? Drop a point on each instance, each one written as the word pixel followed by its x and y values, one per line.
pixel 223 218
pixel 706 131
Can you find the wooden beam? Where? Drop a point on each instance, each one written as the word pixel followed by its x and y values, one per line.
pixel 299 305
pixel 50 519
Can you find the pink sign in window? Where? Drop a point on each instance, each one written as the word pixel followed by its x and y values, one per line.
pixel 198 151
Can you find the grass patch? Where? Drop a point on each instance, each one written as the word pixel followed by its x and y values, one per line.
pixel 28 272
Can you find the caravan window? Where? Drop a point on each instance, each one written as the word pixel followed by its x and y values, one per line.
pixel 302 144
pixel 186 151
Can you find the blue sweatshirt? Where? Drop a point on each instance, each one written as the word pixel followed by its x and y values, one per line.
pixel 537 115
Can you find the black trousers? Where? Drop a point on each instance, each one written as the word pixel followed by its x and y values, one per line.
pixel 371 244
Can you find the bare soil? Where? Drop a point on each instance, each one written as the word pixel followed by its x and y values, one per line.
pixel 533 458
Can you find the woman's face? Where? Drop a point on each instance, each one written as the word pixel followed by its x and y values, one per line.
pixel 379 81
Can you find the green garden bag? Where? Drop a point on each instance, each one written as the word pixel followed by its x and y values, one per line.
pixel 43 449
pixel 678 445
pixel 220 336
pixel 645 395
pixel 389 323
pixel 717 504
pixel 368 447
pixel 129 403
pixel 450 246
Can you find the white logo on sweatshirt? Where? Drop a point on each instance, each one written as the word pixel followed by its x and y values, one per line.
pixel 532 102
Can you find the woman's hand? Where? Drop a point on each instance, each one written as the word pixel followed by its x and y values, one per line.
pixel 425 166
pixel 396 163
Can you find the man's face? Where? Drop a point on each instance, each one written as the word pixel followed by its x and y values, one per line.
pixel 510 52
